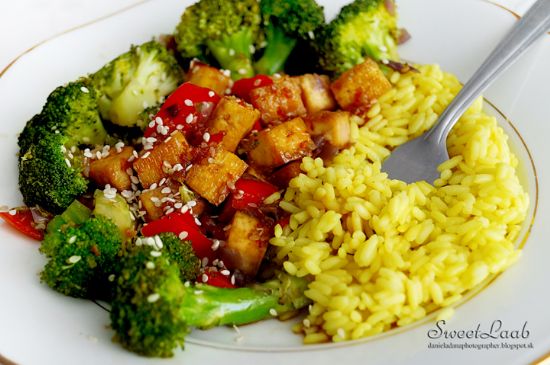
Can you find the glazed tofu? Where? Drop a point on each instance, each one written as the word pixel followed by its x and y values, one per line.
pixel 316 93
pixel 360 86
pixel 278 145
pixel 112 170
pixel 235 118
pixel 335 127
pixel 151 166
pixel 201 74
pixel 246 244
pixel 282 176
pixel 151 203
pixel 280 101
pixel 212 178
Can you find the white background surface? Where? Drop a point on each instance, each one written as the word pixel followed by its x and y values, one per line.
pixel 24 23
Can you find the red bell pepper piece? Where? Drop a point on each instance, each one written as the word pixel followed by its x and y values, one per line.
pixel 251 193
pixel 23 221
pixel 215 278
pixel 243 87
pixel 177 223
pixel 186 100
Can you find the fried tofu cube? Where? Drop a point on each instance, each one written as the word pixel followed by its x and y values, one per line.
pixel 282 176
pixel 235 118
pixel 280 101
pixel 316 93
pixel 360 86
pixel 335 127
pixel 246 243
pixel 151 166
pixel 201 74
pixel 112 170
pixel 212 178
pixel 278 145
pixel 151 203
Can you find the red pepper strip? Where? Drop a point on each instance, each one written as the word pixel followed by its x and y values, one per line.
pixel 251 193
pixel 243 87
pixel 23 222
pixel 177 223
pixel 179 105
pixel 215 278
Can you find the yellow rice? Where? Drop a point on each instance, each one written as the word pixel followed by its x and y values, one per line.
pixel 383 253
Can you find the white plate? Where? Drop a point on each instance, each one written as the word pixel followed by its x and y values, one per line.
pixel 39 326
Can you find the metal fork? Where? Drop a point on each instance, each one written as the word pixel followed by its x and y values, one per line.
pixel 419 158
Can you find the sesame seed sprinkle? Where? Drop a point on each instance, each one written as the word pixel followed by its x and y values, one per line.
pixel 84 89
pixel 273 312
pixel 188 102
pixel 150 265
pixel 183 235
pixel 72 239
pixel 211 94
pixel 12 212
pixel 204 278
pixel 73 259
pixel 155 253
pixel 111 277
pixel 206 136
pixel 153 297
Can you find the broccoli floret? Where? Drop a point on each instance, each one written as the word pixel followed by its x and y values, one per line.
pixel 139 78
pixel 83 259
pixel 50 175
pixel 287 23
pixel 364 28
pixel 153 310
pixel 182 254
pixel 70 110
pixel 227 30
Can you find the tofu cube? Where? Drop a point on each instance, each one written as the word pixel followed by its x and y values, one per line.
pixel 151 167
pixel 212 177
pixel 246 243
pixel 282 176
pixel 201 74
pixel 112 170
pixel 235 118
pixel 278 145
pixel 316 93
pixel 151 203
pixel 280 101
pixel 360 86
pixel 335 127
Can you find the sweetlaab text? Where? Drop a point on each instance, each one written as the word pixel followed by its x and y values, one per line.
pixel 495 330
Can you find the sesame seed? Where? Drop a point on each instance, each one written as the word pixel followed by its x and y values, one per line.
pixel 211 94
pixel 73 259
pixel 225 272
pixel 252 49
pixel 206 136
pixel 273 312
pixel 231 52
pixel 204 262
pixel 134 179
pixel 72 239
pixel 204 278
pixel 155 253
pixel 158 242
pixel 189 118
pixel 145 104
pixel 111 277
pixel 119 144
pixel 68 162
pixel 341 333
pixel 242 71
pixel 233 279
pixel 215 245
pixel 153 297
pixel 166 190
pixel 188 102
pixel 170 211
pixel 306 323
pixel 184 209
pixel 210 160
pixel 150 265
pixel 179 127
pixel 178 205
pixel 192 203
pixel 183 235
pixel 311 34
pixel 146 154
pixel 151 124
pixel 12 212
pixel 84 89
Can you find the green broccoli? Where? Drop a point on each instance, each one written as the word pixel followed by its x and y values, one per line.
pixel 135 80
pixel 227 30
pixel 83 258
pixel 70 110
pixel 364 28
pixel 287 23
pixel 50 174
pixel 153 310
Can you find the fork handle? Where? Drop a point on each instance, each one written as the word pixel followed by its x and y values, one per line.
pixel 530 27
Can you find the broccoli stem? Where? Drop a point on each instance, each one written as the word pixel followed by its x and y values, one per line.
pixel 279 46
pixel 208 306
pixel 233 52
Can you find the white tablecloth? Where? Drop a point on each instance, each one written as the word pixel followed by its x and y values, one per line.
pixel 24 23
